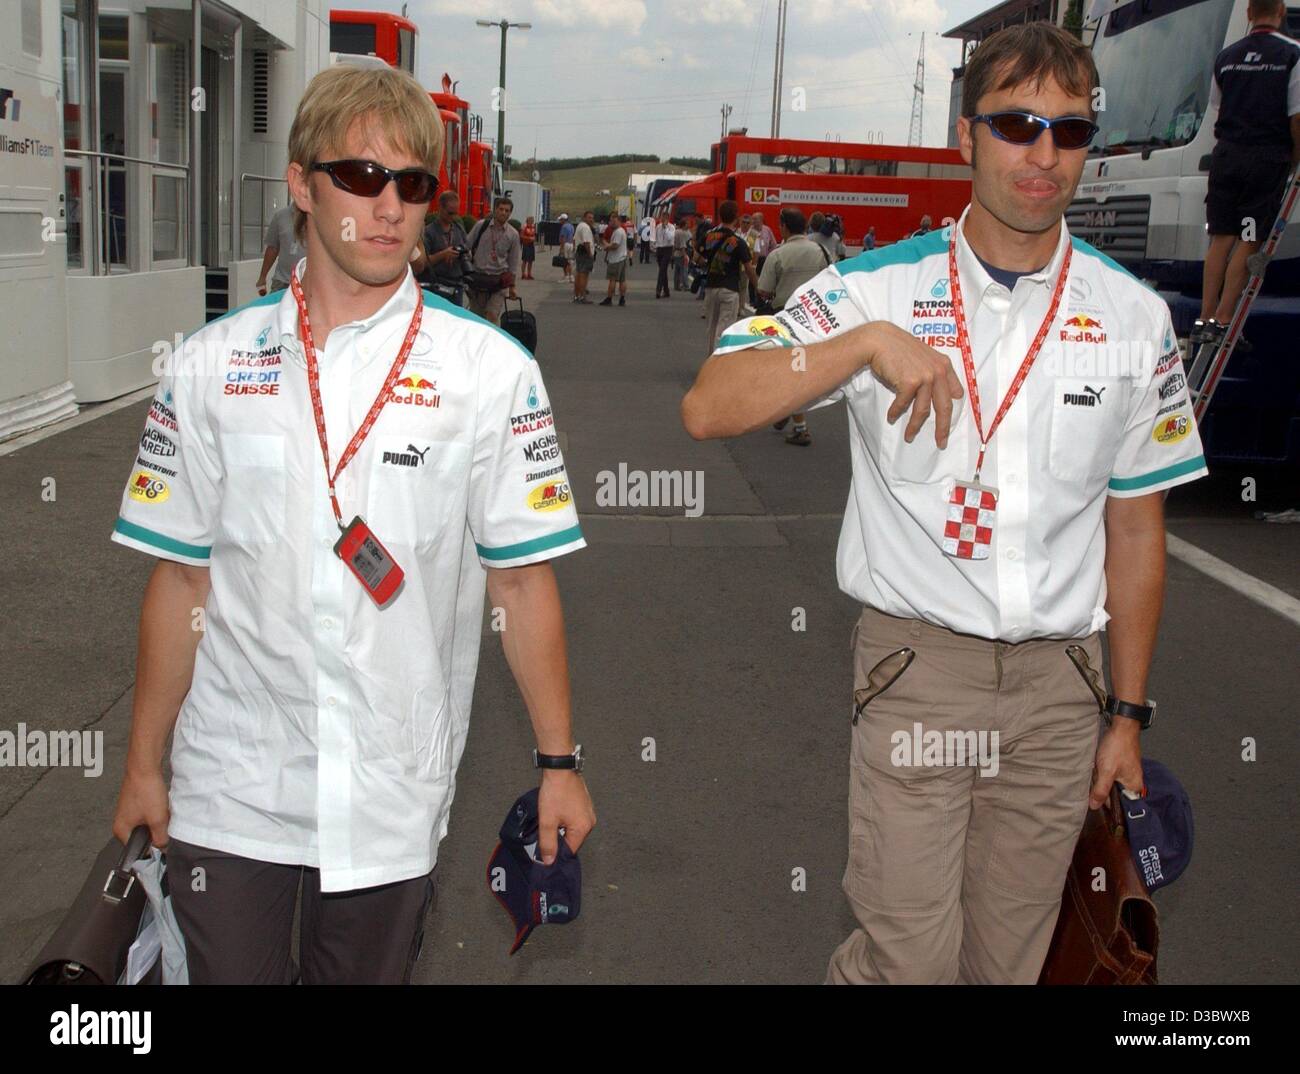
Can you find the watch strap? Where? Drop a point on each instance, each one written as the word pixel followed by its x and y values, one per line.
pixel 1143 714
pixel 559 760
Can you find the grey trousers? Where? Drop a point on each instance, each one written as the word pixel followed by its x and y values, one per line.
pixel 238 925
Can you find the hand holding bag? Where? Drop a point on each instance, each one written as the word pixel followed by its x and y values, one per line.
pixel 91 943
pixel 1109 936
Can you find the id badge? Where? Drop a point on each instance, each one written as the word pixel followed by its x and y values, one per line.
pixel 972 510
pixel 370 561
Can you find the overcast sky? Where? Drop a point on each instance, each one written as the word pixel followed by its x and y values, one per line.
pixel 617 76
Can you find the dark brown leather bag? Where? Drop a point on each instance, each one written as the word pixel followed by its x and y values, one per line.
pixel 90 946
pixel 1104 937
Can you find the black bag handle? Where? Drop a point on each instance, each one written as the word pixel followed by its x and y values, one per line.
pixel 137 845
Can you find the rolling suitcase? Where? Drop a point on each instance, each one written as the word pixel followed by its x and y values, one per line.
pixel 521 324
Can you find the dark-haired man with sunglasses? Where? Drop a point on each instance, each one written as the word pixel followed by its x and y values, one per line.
pixel 332 477
pixel 990 550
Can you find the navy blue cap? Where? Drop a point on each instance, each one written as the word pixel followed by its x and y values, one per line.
pixel 532 893
pixel 1159 826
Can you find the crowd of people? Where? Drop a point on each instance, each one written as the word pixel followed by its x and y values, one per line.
pixel 479 269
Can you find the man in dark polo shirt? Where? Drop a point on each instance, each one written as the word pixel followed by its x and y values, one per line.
pixel 1257 91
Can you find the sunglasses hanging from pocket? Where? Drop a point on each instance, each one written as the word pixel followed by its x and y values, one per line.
pixel 881 677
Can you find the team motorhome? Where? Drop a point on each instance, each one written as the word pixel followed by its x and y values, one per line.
pixel 162 135
pixel 37 387
pixel 1141 200
pixel 889 187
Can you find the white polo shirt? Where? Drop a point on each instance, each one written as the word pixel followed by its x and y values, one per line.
pixel 1104 412
pixel 320 729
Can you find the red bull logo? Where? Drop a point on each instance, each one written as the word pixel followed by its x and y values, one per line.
pixel 415 390
pixel 1082 329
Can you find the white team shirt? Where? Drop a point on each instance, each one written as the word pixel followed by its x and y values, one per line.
pixel 319 729
pixel 582 234
pixel 1104 412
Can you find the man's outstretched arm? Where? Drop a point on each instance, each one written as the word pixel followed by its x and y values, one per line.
pixel 533 639
pixel 744 390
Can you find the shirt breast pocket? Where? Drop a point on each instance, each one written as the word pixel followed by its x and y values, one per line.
pixel 417 486
pixel 923 461
pixel 1088 415
pixel 253 503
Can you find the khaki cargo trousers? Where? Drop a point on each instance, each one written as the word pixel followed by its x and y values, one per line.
pixel 968 787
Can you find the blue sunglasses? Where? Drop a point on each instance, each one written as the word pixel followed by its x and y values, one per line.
pixel 1023 128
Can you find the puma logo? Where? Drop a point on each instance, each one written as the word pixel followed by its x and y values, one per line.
pixel 412 456
pixel 1089 397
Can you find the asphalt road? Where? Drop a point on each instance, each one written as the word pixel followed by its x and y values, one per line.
pixel 680 640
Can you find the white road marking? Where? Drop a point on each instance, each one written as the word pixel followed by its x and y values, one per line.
pixel 1247 585
pixel 90 413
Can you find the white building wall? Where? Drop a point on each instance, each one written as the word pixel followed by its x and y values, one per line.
pixel 35 386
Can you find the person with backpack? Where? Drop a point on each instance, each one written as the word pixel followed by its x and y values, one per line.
pixel 723 255
pixel 787 268
pixel 495 253
pixel 703 225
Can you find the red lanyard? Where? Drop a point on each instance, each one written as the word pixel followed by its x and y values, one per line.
pixel 968 363
pixel 313 384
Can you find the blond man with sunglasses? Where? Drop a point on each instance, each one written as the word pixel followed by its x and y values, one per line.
pixel 328 477
pixel 1016 410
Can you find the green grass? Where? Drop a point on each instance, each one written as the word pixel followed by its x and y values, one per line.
pixel 573 190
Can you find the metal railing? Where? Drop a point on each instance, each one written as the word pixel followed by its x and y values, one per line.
pixel 247 177
pixel 109 223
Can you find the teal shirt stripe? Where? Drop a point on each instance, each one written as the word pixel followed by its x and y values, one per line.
pixel 745 341
pixel 437 302
pixel 1128 484
pixel 527 548
pixel 161 540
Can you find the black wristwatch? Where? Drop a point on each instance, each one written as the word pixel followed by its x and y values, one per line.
pixel 1144 714
pixel 559 760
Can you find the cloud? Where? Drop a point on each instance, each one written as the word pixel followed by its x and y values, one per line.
pixel 647 58
pixel 544 14
pixel 732 13
pixel 627 15
pixel 902 14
